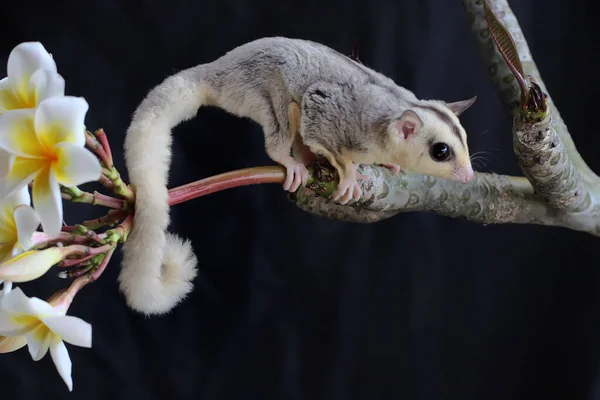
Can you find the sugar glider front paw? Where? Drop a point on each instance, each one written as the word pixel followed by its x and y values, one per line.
pixel 296 175
pixel 392 167
pixel 347 189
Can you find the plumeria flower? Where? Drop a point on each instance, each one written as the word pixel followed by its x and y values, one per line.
pixel 48 145
pixel 8 344
pixel 32 264
pixel 31 78
pixel 18 222
pixel 45 326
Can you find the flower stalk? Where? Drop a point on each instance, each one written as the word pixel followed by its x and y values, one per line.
pixel 103 139
pixel 242 177
pixel 110 219
pixel 92 265
pixel 44 241
pixel 77 195
pixel 96 147
pixel 321 180
pixel 118 186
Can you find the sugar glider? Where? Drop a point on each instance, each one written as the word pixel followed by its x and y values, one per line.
pixel 299 92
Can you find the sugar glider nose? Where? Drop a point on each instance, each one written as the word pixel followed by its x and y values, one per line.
pixel 467 174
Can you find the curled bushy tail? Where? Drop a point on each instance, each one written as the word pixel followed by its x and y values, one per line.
pixel 158 268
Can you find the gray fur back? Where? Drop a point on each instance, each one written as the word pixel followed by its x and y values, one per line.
pixel 260 79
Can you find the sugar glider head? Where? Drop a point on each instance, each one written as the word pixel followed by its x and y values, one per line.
pixel 429 139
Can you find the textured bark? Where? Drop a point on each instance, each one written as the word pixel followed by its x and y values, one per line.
pixel 488 199
pixel 546 164
pixel 558 189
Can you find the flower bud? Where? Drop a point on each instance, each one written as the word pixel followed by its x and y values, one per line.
pixel 30 265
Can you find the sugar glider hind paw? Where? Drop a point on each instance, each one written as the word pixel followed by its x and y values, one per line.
pixel 347 190
pixel 296 175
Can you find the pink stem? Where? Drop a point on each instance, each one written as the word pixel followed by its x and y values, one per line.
pixel 65 237
pixel 101 135
pixel 242 177
pixel 104 181
pixel 78 249
pixel 111 218
pixel 97 149
pixel 81 271
pixel 74 261
pixel 77 285
pixel 107 201
pixel 98 272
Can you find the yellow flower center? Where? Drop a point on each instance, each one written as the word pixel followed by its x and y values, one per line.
pixel 29 103
pixel 32 323
pixel 27 320
pixel 8 233
pixel 49 152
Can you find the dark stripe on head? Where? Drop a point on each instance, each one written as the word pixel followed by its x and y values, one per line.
pixel 447 120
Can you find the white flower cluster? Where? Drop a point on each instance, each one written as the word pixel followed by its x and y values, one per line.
pixel 42 145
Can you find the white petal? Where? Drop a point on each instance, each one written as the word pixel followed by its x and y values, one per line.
pixel 20 197
pixel 16 302
pixel 27 222
pixel 15 250
pixel 76 165
pixel 47 201
pixel 9 326
pixel 60 356
pixel 38 342
pixel 7 287
pixel 22 173
pixel 6 162
pixel 30 265
pixel 71 329
pixel 41 308
pixel 17 134
pixel 8 101
pixel 45 84
pixel 61 119
pixel 4 84
pixel 23 61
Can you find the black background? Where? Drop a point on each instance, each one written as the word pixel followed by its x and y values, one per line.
pixel 292 306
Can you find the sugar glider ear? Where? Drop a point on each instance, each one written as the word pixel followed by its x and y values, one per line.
pixel 459 107
pixel 408 123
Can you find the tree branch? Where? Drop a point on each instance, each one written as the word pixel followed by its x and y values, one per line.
pixel 545 162
pixel 509 92
pixel 559 189
pixel 488 199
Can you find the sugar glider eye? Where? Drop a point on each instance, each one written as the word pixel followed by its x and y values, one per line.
pixel 440 152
